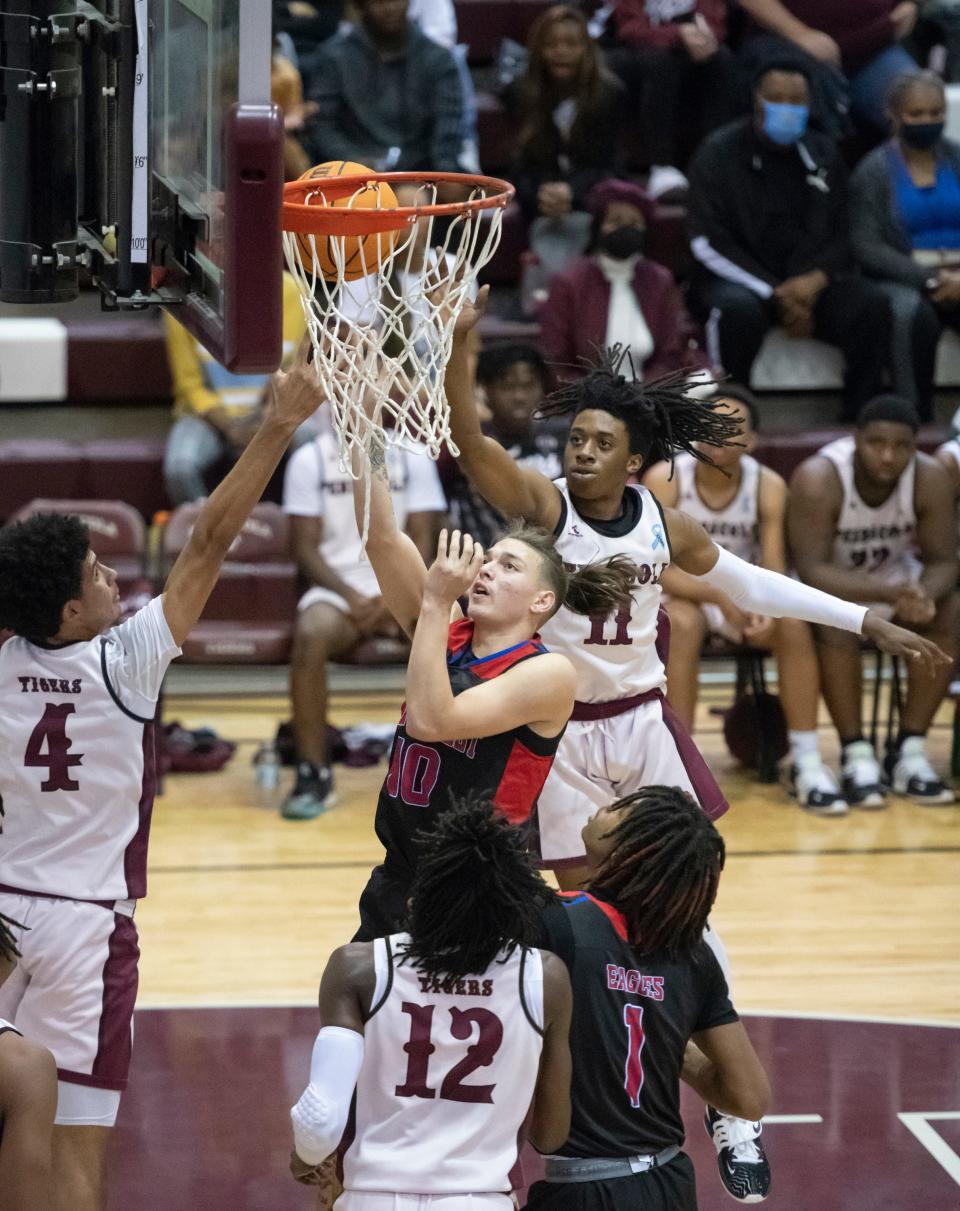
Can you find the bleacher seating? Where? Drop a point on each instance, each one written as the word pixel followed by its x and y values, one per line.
pixel 249 617
pixel 483 24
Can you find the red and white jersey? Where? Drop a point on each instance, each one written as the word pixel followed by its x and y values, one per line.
pixel 77 764
pixel 449 1072
pixel 615 657
pixel 736 527
pixel 872 539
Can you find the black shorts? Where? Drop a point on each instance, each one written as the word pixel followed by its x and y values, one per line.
pixel 383 904
pixel 672 1187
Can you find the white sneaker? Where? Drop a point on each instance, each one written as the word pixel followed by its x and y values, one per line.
pixel 664 179
pixel 814 787
pixel 909 773
pixel 862 778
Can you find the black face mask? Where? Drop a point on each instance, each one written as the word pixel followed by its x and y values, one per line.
pixel 623 242
pixel 921 135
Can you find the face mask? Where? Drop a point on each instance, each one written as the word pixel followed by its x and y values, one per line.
pixel 623 242
pixel 921 135
pixel 784 124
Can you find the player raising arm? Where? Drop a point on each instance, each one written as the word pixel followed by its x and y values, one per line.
pixel 28 1102
pixel 78 696
pixel 486 702
pixel 447 1032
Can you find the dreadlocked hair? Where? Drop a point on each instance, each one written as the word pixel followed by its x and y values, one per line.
pixel 664 869
pixel 8 944
pixel 663 417
pixel 476 893
pixel 597 588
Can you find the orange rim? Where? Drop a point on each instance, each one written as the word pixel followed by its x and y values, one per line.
pixel 323 219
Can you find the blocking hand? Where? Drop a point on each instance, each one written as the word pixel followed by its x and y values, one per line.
pixel 455 568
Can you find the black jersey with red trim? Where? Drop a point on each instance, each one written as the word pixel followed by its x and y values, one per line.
pixel 424 776
pixel 632 1017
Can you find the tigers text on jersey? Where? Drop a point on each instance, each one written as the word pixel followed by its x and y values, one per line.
pixel 736 527
pixel 448 1075
pixel 77 766
pixel 423 776
pixel 632 1017
pixel 614 657
pixel 871 539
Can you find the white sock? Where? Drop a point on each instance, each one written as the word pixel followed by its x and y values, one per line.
pixel 803 744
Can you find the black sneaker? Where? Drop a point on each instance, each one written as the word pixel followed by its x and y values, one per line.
pixel 312 793
pixel 744 1168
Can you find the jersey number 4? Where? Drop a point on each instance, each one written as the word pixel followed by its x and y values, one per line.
pixel 633 1069
pixel 51 732
pixel 419 1049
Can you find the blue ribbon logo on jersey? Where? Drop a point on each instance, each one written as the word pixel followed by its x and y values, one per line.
pixel 658 538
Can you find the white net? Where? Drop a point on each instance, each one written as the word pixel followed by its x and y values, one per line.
pixel 382 327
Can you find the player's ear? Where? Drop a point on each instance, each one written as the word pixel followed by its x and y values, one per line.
pixel 544 602
pixel 634 464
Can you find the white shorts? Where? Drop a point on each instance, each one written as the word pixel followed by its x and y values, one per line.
pixel 319 595
pixel 601 760
pixel 73 991
pixel 372 1200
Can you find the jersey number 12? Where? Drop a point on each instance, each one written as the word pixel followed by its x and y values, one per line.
pixel 419 1048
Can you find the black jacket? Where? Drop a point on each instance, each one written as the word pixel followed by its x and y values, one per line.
pixel 759 215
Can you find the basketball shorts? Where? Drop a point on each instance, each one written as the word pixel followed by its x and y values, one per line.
pixel 383 904
pixel 672 1187
pixel 376 1200
pixel 73 991
pixel 318 595
pixel 600 760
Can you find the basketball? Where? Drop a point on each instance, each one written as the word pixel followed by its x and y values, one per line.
pixel 361 254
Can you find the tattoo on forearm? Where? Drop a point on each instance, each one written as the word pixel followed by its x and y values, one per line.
pixel 378 457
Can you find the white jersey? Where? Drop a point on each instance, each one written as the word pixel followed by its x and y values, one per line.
pixel 614 657
pixel 315 486
pixel 5 1026
pixel 448 1075
pixel 77 764
pixel 878 540
pixel 736 527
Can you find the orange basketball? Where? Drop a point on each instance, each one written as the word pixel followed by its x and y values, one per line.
pixel 361 254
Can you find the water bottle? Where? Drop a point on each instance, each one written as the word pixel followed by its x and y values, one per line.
pixel 267 762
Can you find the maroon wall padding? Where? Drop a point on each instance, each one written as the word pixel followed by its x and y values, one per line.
pixel 482 24
pixel 127 469
pixel 230 643
pixel 254 592
pixel 496 136
pixel 33 467
pixel 117 357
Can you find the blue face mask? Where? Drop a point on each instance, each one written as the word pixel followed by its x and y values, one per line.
pixel 784 124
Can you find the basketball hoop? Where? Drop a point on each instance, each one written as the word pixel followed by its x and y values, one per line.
pixel 382 285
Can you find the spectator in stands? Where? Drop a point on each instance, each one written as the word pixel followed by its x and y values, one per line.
pixel 615 295
pixel 216 412
pixel 286 89
pixel 566 109
pixel 514 379
pixel 905 230
pixel 851 49
pixel 683 80
pixel 742 506
pixel 768 220
pixel 939 26
pixel 387 95
pixel 342 605
pixel 949 458
pixel 303 26
pixel 871 520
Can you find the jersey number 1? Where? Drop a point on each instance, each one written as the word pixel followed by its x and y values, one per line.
pixel 633 1069
pixel 52 731
pixel 479 1054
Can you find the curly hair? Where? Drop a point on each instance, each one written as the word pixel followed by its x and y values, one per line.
pixel 41 569
pixel 664 869
pixel 8 943
pixel 662 417
pixel 476 893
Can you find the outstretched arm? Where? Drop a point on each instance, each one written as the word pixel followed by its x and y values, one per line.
pixel 515 491
pixel 764 592
pixel 294 397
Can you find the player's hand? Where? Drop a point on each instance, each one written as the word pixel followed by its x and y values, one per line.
pixel 903 18
pixel 309 1175
pixel 735 618
pixel 471 314
pixel 821 46
pixel 900 642
pixel 295 393
pixel 699 39
pixel 759 630
pixel 554 199
pixel 366 613
pixel 913 606
pixel 948 287
pixel 459 560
